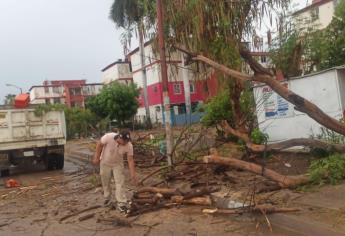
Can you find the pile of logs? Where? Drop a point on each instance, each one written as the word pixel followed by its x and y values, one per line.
pixel 149 199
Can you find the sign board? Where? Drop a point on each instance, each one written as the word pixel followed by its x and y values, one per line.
pixel 274 105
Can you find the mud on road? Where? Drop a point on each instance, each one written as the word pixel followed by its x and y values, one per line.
pixel 51 203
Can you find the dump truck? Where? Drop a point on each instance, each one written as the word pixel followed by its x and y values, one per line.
pixel 28 136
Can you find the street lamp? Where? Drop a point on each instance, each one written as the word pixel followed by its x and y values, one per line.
pixel 12 85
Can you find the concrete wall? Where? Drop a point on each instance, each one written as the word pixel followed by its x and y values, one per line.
pixel 281 121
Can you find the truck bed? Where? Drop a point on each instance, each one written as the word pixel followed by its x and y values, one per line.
pixel 21 128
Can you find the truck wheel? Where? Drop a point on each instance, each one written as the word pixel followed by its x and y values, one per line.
pixel 50 162
pixel 60 161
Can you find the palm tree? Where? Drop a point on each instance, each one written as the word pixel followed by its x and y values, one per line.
pixel 126 14
pixel 9 98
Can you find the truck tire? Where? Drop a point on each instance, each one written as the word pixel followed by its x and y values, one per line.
pixel 60 161
pixel 50 162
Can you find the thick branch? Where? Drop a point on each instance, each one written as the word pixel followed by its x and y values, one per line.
pixel 264 76
pixel 276 147
pixel 282 180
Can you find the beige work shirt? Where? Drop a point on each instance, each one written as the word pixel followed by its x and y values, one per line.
pixel 112 153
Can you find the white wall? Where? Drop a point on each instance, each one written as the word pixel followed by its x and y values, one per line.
pixel 321 89
pixel 116 72
pixel 39 93
pixel 156 116
pixel 304 19
pixel 153 72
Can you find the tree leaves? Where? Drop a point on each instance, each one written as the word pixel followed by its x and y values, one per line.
pixel 117 101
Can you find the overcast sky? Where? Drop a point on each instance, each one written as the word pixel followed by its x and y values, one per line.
pixel 56 40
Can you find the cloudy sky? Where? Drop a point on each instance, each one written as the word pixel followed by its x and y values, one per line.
pixel 55 40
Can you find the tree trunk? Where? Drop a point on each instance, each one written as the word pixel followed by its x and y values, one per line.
pixel 283 180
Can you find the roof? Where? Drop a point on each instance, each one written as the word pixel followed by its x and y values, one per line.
pixel 308 75
pixel 56 85
pixel 314 4
pixel 113 64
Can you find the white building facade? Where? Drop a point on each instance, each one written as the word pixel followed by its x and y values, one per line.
pixel 119 71
pixel 318 15
pixel 176 72
pixel 281 121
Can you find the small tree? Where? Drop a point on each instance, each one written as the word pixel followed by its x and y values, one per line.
pixel 117 101
pixel 9 99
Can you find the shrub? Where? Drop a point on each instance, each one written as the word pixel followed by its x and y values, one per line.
pixel 328 170
pixel 258 137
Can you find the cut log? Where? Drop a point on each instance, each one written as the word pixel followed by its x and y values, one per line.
pixel 201 201
pixel 267 209
pixel 282 180
pixel 163 191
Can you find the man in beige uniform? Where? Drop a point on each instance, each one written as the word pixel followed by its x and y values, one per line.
pixel 109 154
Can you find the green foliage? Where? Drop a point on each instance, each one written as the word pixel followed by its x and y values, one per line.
pixel 328 136
pixel 125 13
pixel 258 137
pixel 9 99
pixel 44 108
pixel 116 101
pixel 328 170
pixel 320 49
pixel 79 122
pixel 218 109
pixel 334 40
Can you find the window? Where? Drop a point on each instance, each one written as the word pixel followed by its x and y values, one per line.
pixel 56 89
pixel 263 59
pixel 75 91
pixel 47 101
pixel 86 90
pixel 155 89
pixel 192 87
pixel 57 100
pixel 46 89
pixel 177 88
pixel 314 13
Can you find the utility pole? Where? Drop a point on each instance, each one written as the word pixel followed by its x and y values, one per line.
pixel 186 87
pixel 165 83
pixel 143 72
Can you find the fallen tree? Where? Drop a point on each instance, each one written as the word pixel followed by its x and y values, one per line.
pixel 264 75
pixel 283 180
pixel 277 147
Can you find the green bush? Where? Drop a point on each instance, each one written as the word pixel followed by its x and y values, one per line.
pixel 328 170
pixel 258 137
pixel 218 109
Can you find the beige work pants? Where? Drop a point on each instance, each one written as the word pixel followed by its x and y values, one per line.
pixel 117 172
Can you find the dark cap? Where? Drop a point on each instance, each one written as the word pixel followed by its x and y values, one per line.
pixel 124 135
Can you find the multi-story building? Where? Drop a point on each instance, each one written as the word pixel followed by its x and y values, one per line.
pixel 201 87
pixel 318 15
pixel 72 93
pixel 119 71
